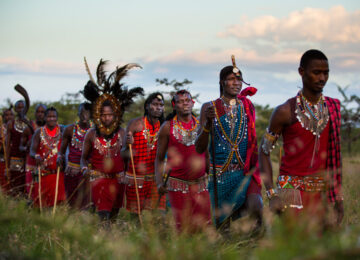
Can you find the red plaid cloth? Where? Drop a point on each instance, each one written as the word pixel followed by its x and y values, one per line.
pixel 333 164
pixel 148 196
pixel 144 156
pixel 251 162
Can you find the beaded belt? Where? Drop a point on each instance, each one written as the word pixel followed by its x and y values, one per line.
pixel 175 184
pixel 72 169
pixel 220 169
pixel 35 173
pixel 17 164
pixel 303 183
pixel 130 180
pixel 94 174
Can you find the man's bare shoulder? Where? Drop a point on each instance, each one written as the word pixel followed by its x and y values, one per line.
pixel 136 124
pixel 282 113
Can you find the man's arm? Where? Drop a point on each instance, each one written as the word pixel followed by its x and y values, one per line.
pixel 24 141
pixel 207 114
pixel 280 118
pixel 87 147
pixel 66 140
pixel 162 147
pixel 34 147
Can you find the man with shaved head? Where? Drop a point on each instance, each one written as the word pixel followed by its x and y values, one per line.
pixel 309 123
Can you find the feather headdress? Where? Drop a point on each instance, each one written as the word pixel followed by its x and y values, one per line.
pixel 109 88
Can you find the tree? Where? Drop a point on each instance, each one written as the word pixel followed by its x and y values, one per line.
pixel 350 118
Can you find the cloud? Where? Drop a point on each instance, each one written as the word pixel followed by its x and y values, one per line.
pixel 334 26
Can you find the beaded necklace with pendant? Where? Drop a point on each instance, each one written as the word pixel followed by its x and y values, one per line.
pixel 313 118
pixel 150 138
pixel 185 136
pixel 19 126
pixel 108 148
pixel 50 143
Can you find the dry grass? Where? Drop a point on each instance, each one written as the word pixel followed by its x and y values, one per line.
pixel 24 233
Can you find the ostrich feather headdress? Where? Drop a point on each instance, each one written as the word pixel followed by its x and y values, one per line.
pixel 108 88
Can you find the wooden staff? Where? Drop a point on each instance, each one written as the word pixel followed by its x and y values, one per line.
pixel 77 187
pixel 31 188
pixel 4 149
pixel 135 182
pixel 217 224
pixel 56 189
pixel 39 189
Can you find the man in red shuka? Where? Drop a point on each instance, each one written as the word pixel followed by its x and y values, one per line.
pixel 44 149
pixel 142 134
pixel 186 186
pixel 76 187
pixel 310 170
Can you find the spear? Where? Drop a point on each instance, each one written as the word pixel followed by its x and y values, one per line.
pixel 135 182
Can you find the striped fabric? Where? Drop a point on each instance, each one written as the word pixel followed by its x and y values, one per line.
pixel 334 164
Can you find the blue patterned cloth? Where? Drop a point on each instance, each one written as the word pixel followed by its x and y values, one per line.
pixel 232 184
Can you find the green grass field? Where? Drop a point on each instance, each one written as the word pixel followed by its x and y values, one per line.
pixel 25 234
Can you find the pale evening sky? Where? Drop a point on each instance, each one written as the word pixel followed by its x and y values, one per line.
pixel 43 43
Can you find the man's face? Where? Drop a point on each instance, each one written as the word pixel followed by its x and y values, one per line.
pixel 315 75
pixel 156 108
pixel 84 115
pixel 51 119
pixel 107 116
pixel 8 115
pixel 19 107
pixel 40 114
pixel 183 104
pixel 232 85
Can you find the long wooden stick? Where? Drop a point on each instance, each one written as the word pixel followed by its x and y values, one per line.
pixel 4 149
pixel 217 224
pixel 77 187
pixel 30 190
pixel 56 190
pixel 135 182
pixel 39 189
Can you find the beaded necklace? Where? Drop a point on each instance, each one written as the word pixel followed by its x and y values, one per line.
pixel 230 142
pixel 185 136
pixel 19 125
pixel 109 148
pixel 150 138
pixel 313 118
pixel 50 143
pixel 78 135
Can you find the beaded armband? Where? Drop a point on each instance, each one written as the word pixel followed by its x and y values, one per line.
pixel 269 141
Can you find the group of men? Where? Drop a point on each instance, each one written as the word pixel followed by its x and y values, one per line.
pixel 210 167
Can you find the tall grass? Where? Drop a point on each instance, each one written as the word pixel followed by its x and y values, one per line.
pixel 25 233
